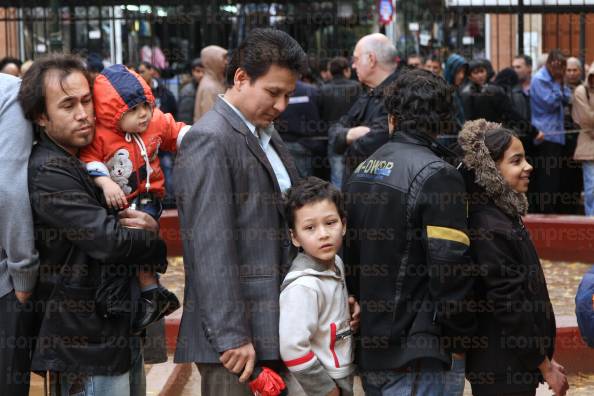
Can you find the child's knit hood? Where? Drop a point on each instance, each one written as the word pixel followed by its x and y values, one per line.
pixel 116 90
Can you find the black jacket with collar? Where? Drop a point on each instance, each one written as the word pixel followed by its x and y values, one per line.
pixel 406 253
pixel 367 111
pixel 75 236
pixel 516 322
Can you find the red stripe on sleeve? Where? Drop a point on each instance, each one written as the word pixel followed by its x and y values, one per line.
pixel 301 360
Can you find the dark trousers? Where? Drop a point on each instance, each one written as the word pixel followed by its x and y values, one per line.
pixel 16 338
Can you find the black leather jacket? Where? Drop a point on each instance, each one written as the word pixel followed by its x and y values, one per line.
pixel 75 236
pixel 406 253
pixel 367 111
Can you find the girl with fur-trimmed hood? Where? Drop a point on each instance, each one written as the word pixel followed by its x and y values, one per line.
pixel 515 341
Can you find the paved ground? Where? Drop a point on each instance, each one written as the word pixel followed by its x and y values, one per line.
pixel 562 280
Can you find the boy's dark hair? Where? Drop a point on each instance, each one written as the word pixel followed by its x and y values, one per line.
pixel 311 190
pixel 420 100
pixel 32 92
pixel 527 59
pixel 263 48
pixel 338 65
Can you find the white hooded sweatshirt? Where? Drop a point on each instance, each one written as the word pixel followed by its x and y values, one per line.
pixel 315 336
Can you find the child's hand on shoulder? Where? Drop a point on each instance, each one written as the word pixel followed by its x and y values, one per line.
pixel 114 196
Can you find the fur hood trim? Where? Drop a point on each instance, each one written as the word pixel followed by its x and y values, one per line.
pixel 476 157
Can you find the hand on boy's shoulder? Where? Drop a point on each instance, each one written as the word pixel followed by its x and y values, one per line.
pixel 355 310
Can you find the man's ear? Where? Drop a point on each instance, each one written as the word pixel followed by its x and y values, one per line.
pixel 42 120
pixel 372 59
pixel 295 241
pixel 240 78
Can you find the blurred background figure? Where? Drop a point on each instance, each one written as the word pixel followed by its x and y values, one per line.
pixel 573 73
pixel 212 84
pixel 414 61
pixel 337 96
pixel 300 127
pixel 325 72
pixel 583 116
pixel 572 180
pixel 187 95
pixel 10 65
pixel 433 64
pixel 456 69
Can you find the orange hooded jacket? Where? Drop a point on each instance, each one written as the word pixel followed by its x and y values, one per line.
pixel 130 159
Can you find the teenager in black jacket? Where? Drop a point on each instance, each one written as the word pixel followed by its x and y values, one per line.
pixel 516 323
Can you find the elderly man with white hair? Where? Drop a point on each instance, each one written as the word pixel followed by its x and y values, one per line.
pixel 573 73
pixel 365 127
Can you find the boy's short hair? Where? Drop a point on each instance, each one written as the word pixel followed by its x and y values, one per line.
pixel 311 190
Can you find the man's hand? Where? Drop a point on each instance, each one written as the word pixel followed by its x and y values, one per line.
pixel 240 360
pixel 114 196
pixel 137 219
pixel 355 133
pixel 540 136
pixel 23 297
pixel 554 375
pixel 355 310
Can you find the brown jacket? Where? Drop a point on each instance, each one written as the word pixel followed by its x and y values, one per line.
pixel 206 95
pixel 583 115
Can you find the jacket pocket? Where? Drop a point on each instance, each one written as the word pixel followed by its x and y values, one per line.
pixel 340 344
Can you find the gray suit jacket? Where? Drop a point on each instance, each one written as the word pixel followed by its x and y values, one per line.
pixel 236 242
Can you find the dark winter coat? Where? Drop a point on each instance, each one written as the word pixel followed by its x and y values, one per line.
pixel 516 322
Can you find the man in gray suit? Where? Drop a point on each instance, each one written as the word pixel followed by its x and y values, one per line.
pixel 230 173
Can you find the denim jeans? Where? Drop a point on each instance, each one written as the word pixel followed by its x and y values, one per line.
pixel 336 166
pixel 429 378
pixel 588 172
pixel 131 383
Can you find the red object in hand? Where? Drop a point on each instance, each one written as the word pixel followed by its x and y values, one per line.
pixel 267 383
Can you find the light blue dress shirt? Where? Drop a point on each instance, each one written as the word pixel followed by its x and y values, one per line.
pixel 546 103
pixel 264 135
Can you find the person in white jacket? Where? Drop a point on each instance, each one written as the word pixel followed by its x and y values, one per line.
pixel 316 322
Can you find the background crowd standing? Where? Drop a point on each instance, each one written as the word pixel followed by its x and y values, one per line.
pixel 261 123
pixel 525 97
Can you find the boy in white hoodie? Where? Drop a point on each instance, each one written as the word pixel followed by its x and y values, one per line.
pixel 316 324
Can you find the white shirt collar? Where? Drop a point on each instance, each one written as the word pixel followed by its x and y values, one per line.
pixel 266 133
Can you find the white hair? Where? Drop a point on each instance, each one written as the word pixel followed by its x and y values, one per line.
pixel 575 61
pixel 382 47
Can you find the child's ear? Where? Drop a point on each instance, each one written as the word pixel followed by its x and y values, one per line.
pixel 344 226
pixel 294 240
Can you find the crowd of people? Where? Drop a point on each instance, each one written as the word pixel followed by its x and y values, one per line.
pixel 419 182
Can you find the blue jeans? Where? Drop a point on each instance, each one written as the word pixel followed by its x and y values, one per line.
pixel 336 166
pixel 588 172
pixel 429 378
pixel 131 383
